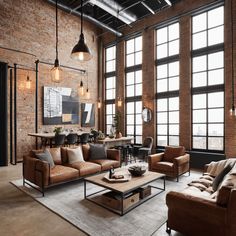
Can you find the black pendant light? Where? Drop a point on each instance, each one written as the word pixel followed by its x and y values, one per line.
pixel 56 71
pixel 81 52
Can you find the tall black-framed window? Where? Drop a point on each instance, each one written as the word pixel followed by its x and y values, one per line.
pixel 110 86
pixel 208 80
pixel 133 89
pixel 167 85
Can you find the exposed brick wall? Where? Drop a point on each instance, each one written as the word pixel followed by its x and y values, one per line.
pixel 29 25
pixel 146 26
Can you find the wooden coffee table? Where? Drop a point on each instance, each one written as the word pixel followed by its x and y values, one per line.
pixel 123 189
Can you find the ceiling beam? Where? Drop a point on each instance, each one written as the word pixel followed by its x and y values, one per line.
pixel 148 8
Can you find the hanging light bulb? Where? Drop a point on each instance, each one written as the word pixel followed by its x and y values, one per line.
pixel 28 82
pixel 56 71
pixel 87 94
pixel 81 88
pixel 81 51
pixel 232 111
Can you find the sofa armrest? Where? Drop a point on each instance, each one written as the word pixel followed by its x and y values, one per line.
pixel 36 171
pixel 113 154
pixel 181 160
pixel 185 203
pixel 154 158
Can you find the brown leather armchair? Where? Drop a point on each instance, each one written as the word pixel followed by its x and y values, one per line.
pixel 173 162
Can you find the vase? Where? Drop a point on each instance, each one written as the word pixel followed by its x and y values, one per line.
pixel 118 135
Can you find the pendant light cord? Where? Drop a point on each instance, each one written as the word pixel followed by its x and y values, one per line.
pixel 81 30
pixel 232 56
pixel 56 30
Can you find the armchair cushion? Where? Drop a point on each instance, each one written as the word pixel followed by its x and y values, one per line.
pixel 164 166
pixel 172 152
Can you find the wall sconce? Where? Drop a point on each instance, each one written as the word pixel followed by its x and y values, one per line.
pixel 99 103
pixel 119 102
pixel 28 82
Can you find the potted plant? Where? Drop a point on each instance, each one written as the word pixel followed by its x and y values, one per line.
pixel 57 130
pixel 117 123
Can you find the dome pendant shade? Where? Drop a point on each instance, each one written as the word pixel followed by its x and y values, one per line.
pixel 81 52
pixel 56 72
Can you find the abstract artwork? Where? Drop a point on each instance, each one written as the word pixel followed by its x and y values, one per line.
pixel 87 115
pixel 60 106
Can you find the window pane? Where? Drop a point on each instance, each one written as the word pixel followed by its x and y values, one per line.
pixel 199 22
pixel 138 76
pixel 162 85
pixel 173 83
pixel 138 90
pixel 139 140
pixel 215 143
pixel 139 120
pixel 173 31
pixel 109 119
pixel 130 46
pixel 174 104
pixel 216 115
pixel 139 130
pixel 199 129
pixel 216 99
pixel 174 129
pixel 173 68
pixel 109 109
pixel 161 140
pixel 162 118
pixel 161 51
pixel 216 77
pixel 130 60
pixel 174 48
pixel 138 58
pixel 162 35
pixel 199 116
pixel 110 53
pixel 216 130
pixel 199 64
pixel 130 91
pixel 110 66
pixel 174 117
pixel 162 71
pixel 199 79
pixel 130 129
pixel 216 17
pixel 138 107
pixel 215 60
pixel 174 140
pixel 130 108
pixel 110 94
pixel 215 36
pixel 138 43
pixel 162 105
pixel 199 142
pixel 199 101
pixel 110 82
pixel 130 119
pixel 130 78
pixel 162 129
pixel 199 40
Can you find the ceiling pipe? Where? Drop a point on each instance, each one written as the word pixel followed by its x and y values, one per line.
pixel 87 17
pixel 115 9
pixel 148 8
pixel 168 2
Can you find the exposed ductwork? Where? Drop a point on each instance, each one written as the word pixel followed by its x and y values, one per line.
pixel 115 9
pixel 89 18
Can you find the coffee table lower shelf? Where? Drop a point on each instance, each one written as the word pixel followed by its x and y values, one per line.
pixel 122 211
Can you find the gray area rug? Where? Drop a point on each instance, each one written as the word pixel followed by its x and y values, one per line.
pixel 68 202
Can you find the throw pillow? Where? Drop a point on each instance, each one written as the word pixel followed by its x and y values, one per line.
pixel 75 155
pixel 98 151
pixel 46 156
pixel 218 179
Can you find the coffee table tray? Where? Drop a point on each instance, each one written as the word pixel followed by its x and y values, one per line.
pixel 126 178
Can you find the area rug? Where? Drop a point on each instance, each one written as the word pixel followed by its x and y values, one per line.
pixel 68 202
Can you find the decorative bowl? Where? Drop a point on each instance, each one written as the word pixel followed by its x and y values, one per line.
pixel 137 170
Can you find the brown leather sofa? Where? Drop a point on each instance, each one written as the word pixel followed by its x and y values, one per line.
pixel 39 173
pixel 198 210
pixel 173 162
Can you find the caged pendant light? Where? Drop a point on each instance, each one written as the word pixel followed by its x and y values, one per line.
pixel 56 71
pixel 81 51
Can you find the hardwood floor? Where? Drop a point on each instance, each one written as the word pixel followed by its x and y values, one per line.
pixel 20 215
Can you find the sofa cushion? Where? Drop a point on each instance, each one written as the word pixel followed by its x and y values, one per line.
pixel 218 179
pixel 163 166
pixel 86 168
pixel 56 155
pixel 74 155
pixel 107 164
pixel 62 173
pixel 86 151
pixel 46 156
pixel 172 152
pixel 64 157
pixel 97 152
pixel 200 186
pixel 205 182
pixel 223 195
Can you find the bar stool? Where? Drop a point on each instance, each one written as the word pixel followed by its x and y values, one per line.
pixel 59 140
pixel 71 139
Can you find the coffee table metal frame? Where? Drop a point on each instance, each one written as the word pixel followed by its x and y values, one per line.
pixel 123 194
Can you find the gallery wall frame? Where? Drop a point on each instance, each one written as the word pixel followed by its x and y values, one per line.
pixel 87 115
